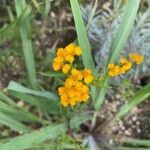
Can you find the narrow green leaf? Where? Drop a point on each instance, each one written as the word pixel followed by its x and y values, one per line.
pixel 46 101
pixel 12 123
pixel 137 142
pixel 18 110
pixel 82 36
pixel 10 31
pixel 36 4
pixel 36 137
pixel 14 86
pixel 140 96
pixel 6 99
pixel 10 13
pixel 52 74
pixel 26 42
pixel 125 29
pixel 18 113
pixel 47 7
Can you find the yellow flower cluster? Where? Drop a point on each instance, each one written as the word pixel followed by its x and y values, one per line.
pixel 137 58
pixel 65 57
pixel 75 90
pixel 125 65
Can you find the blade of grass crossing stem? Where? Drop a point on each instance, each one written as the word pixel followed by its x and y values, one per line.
pixel 118 42
pixel 36 4
pixel 11 30
pixel 36 137
pixel 26 42
pixel 140 96
pixel 82 36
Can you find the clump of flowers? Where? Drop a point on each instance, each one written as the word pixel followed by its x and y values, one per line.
pixel 137 58
pixel 125 65
pixel 65 57
pixel 75 88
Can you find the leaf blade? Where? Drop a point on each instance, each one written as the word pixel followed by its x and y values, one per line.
pixel 35 137
pixel 140 96
pixel 82 36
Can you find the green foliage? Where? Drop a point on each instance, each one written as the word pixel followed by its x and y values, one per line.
pixel 35 137
pixel 47 7
pixel 140 96
pixel 12 115
pixel 82 36
pixel 137 142
pixel 119 41
pixel 26 41
pixel 124 29
pixel 12 123
pixel 52 74
pixel 47 101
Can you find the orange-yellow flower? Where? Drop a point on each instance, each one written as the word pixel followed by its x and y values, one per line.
pixel 88 76
pixel 111 66
pixel 113 70
pixel 76 74
pixel 66 68
pixel 57 64
pixel 64 100
pixel 77 50
pixel 69 58
pixel 61 52
pixel 73 92
pixel 65 56
pixel 125 65
pixel 137 58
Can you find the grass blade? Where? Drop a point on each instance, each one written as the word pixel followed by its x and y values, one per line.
pixel 46 101
pixel 124 30
pixel 47 7
pixel 118 43
pixel 18 113
pixel 14 86
pixel 140 96
pixel 7 99
pixel 52 74
pixel 12 123
pixel 137 142
pixel 82 36
pixel 26 42
pixel 23 113
pixel 36 137
pixel 36 4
